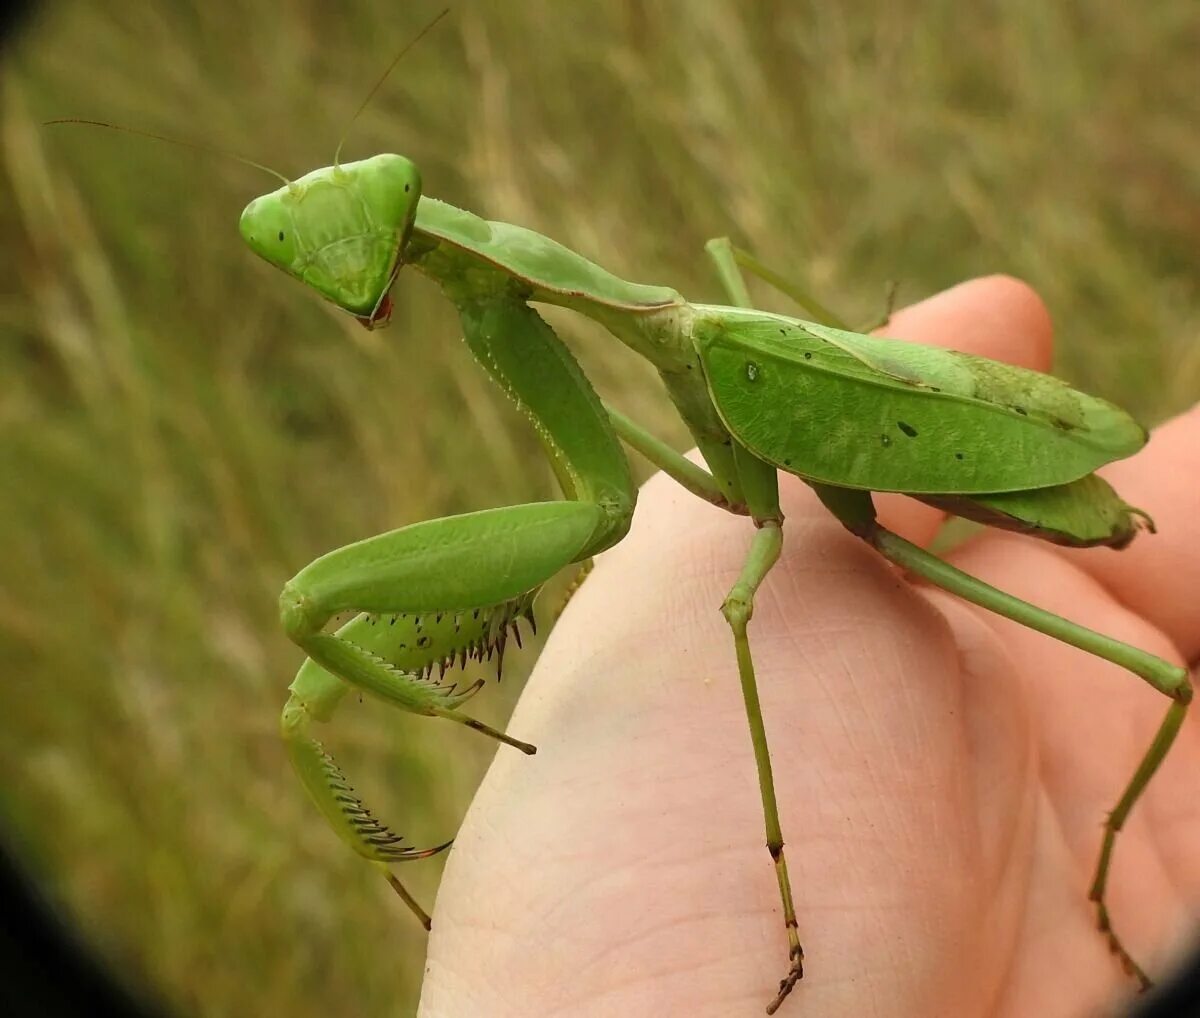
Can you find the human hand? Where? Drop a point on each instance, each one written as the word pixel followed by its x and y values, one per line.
pixel 942 774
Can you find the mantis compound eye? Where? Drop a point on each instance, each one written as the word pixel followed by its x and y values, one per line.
pixel 267 226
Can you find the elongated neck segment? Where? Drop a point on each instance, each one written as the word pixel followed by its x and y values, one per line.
pixel 470 257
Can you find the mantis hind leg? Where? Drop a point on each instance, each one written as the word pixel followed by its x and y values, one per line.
pixel 730 260
pixel 856 512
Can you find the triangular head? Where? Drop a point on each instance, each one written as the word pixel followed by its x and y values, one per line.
pixel 340 229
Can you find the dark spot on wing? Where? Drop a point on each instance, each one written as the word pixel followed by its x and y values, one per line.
pixel 958 455
pixel 807 356
pixel 281 235
pixel 908 429
pixel 1021 410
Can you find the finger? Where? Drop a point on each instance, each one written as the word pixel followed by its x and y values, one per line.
pixel 1159 574
pixel 1000 317
pixel 994 316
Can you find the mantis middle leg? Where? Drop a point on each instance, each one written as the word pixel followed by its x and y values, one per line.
pixel 759 483
pixel 738 609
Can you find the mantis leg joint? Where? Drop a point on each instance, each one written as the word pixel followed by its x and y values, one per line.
pixel 1183 693
pixel 299 615
pixel 738 609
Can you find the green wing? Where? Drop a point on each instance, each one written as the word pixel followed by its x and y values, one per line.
pixel 1083 514
pixel 882 415
pixel 543 263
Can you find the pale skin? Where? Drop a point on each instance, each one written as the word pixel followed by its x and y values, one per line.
pixel 942 773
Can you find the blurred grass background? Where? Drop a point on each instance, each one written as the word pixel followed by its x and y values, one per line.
pixel 182 428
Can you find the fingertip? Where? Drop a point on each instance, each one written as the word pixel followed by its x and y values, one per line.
pixel 997 316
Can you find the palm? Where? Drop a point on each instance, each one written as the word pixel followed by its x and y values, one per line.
pixel 942 774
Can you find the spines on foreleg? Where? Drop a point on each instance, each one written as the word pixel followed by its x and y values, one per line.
pixel 409 656
pixel 329 788
pixel 420 651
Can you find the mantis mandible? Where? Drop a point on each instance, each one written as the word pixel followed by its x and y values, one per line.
pixel 847 413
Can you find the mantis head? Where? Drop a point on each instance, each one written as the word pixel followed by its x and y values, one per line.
pixel 342 230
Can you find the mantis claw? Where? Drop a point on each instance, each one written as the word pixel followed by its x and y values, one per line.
pixel 795 974
pixel 466 694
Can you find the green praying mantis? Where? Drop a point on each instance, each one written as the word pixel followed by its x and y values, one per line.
pixel 847 413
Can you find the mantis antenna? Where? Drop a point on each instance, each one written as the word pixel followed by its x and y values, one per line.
pixel 382 78
pixel 201 146
pixel 215 150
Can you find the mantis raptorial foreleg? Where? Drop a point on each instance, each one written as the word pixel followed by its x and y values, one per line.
pixel 690 476
pixel 425 610
pixel 474 568
pixel 445 591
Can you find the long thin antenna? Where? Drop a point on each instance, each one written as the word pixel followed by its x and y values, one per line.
pixel 201 146
pixel 382 78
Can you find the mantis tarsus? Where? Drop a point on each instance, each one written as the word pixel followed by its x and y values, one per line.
pixel 847 413
pixel 760 392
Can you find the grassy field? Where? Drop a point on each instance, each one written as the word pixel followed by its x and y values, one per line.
pixel 181 427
